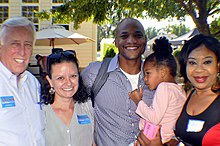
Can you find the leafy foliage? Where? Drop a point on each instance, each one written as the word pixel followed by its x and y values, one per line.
pixel 178 30
pixel 105 51
pixel 215 25
pixel 151 32
pixel 110 53
pixel 99 11
pixel 105 31
pixel 176 53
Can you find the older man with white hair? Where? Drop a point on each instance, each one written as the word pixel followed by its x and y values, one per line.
pixel 21 122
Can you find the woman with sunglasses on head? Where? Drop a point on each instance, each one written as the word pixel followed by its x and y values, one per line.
pixel 68 111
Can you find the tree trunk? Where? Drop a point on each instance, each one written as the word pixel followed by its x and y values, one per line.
pixel 200 16
pixel 202 26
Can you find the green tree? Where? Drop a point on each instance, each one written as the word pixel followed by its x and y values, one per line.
pixel 178 30
pixel 110 53
pixel 105 31
pixel 78 11
pixel 215 25
pixel 176 53
pixel 151 32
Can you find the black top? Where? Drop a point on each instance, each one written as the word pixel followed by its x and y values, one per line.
pixel 185 128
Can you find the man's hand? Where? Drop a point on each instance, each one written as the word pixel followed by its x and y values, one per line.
pixel 142 140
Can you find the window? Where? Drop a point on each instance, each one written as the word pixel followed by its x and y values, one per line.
pixel 30 1
pixel 58 1
pixel 29 12
pixel 3 13
pixel 3 1
pixel 54 21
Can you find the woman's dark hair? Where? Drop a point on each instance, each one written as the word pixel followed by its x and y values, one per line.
pixel 38 56
pixel 81 95
pixel 162 55
pixel 209 42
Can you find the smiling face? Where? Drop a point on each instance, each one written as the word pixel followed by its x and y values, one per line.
pixel 16 49
pixel 202 68
pixel 64 79
pixel 130 39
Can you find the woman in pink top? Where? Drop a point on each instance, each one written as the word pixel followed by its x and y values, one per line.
pixel 160 69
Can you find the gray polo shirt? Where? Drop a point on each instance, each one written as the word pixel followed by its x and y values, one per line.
pixel 116 123
pixel 78 133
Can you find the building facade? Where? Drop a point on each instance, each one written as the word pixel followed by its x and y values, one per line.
pixel 86 53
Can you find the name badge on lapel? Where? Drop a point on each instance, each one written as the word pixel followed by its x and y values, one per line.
pixel 7 101
pixel 83 119
pixel 195 125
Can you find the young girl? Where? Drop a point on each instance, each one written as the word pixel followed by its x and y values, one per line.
pixel 160 69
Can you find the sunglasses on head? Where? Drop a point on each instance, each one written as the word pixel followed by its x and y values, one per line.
pixel 57 55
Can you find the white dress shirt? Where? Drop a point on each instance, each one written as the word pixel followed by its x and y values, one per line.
pixel 21 117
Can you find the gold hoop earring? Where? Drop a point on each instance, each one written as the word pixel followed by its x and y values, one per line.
pixel 51 91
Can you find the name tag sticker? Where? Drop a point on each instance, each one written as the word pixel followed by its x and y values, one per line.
pixel 195 125
pixel 7 101
pixel 83 119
